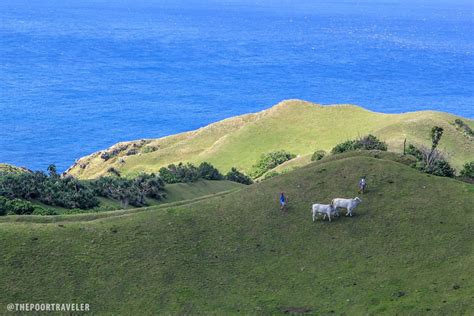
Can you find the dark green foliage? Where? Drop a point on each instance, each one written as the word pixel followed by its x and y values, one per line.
pixel 237 176
pixel 180 173
pixel 44 211
pixel 209 172
pixel 466 129
pixel 168 175
pixel 21 207
pixel 130 191
pixel 468 170
pixel 442 168
pixel 269 161
pixel 343 147
pixel 52 190
pixel 412 150
pixel 369 142
pixel 436 134
pixel 431 161
pixel 318 155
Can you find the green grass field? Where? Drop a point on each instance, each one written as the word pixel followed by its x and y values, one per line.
pixel 408 249
pixel 297 126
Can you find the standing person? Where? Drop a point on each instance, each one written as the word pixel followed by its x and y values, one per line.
pixel 283 201
pixel 362 185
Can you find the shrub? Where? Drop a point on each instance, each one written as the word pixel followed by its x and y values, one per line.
pixel 15 207
pixel 50 189
pixel 442 168
pixel 369 142
pixel 468 170
pixel 237 176
pixel 269 161
pixel 343 147
pixel 318 155
pixel 168 175
pixel 431 161
pixel 412 150
pixel 209 172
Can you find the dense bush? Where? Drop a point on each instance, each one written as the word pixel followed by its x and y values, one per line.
pixel 130 191
pixel 209 172
pixel 468 170
pixel 369 142
pixel 180 173
pixel 237 176
pixel 318 155
pixel 269 161
pixel 21 207
pixel 71 193
pixel 442 168
pixel 50 189
pixel 412 150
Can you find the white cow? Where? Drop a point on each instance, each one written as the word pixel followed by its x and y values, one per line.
pixel 348 204
pixel 325 209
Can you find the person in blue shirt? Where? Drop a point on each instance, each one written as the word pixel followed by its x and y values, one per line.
pixel 283 201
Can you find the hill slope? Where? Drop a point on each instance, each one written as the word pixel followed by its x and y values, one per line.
pixel 10 168
pixel 409 249
pixel 298 126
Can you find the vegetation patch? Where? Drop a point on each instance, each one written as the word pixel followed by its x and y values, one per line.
pixel 269 161
pixel 369 142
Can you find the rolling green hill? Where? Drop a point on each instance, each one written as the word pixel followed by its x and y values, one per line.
pixel 407 250
pixel 297 126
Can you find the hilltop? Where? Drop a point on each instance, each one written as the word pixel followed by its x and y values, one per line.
pixel 408 249
pixel 13 169
pixel 294 125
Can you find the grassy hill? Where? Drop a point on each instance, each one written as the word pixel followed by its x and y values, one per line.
pixel 297 126
pixel 10 168
pixel 408 250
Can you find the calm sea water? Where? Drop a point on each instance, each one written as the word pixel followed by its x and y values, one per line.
pixel 79 76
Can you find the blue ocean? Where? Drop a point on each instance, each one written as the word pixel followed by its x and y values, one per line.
pixel 77 76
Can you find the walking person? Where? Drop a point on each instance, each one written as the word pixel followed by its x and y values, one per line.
pixel 283 202
pixel 362 185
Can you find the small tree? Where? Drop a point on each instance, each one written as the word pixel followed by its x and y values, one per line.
pixel 209 172
pixel 237 176
pixel 269 161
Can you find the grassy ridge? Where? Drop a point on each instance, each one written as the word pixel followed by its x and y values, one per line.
pixel 407 250
pixel 297 126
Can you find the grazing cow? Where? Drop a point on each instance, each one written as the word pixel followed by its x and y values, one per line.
pixel 348 204
pixel 325 209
